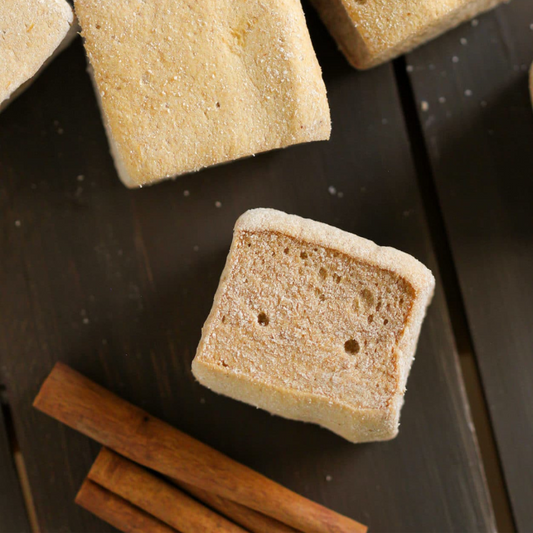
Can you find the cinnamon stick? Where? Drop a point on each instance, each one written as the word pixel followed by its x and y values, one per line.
pixel 155 496
pixel 81 404
pixel 252 520
pixel 118 512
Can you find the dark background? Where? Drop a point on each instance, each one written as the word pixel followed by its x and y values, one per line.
pixel 432 155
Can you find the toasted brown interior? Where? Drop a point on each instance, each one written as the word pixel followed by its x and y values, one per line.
pixel 294 315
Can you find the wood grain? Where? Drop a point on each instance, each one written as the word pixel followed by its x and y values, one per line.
pixel 118 283
pixel 117 511
pixel 479 131
pixel 13 515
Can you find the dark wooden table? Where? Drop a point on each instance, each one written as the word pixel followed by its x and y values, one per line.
pixel 432 155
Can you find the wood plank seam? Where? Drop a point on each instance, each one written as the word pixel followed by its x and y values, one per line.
pixel 479 128
pixel 452 290
pixel 18 465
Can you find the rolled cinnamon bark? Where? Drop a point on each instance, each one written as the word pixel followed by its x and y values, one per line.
pixel 253 521
pixel 85 406
pixel 118 512
pixel 155 496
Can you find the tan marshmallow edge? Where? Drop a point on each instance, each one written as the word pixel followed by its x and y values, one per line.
pixel 371 32
pixel 185 85
pixel 315 324
pixel 31 33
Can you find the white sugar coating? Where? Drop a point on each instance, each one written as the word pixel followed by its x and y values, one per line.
pixel 370 32
pixel 31 32
pixel 185 85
